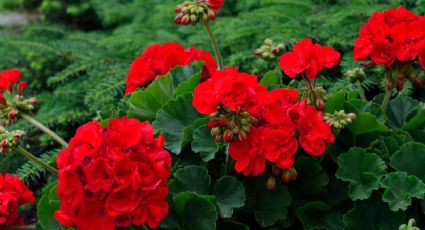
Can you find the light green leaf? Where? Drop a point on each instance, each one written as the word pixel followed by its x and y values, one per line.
pixel 190 179
pixel 176 119
pixel 204 143
pixel 362 170
pixel 188 85
pixel 400 189
pixel 408 159
pixel 366 123
pixel 230 194
pixel 46 207
pixel 335 103
pixel 271 78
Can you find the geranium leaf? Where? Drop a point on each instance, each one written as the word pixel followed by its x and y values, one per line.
pixel 195 212
pixel 204 143
pixel 231 225
pixel 335 103
pixel 180 74
pixel 372 214
pixel 271 206
pixel 230 194
pixel 46 207
pixel 362 170
pixel 400 189
pixel 406 159
pixel 187 85
pixel 145 103
pixel 366 123
pixel 190 179
pixel 318 215
pixel 271 79
pixel 399 109
pixel 175 119
pixel 370 107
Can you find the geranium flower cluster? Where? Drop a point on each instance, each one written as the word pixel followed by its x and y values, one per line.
pixel 13 193
pixel 158 60
pixel 113 177
pixel 280 122
pixel 309 59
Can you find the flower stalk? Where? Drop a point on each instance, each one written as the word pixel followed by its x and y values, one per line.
pixel 44 129
pixel 386 100
pixel 214 44
pixel 361 91
pixel 37 160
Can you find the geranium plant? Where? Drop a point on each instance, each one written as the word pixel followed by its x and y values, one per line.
pixel 197 144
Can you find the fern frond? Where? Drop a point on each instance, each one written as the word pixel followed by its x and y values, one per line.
pixel 30 171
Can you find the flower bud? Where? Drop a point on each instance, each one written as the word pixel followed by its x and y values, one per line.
pixel 400 85
pixel 268 42
pixel 215 131
pixel 3 100
pixel 4 143
pixel 389 85
pixel 228 136
pixel 193 19
pixel 211 124
pixel 217 138
pixel 33 100
pixel 286 176
pixel 242 136
pixel 12 115
pixel 275 171
pixel 352 116
pixel 320 104
pixel 271 183
pixel 419 81
pixel 21 87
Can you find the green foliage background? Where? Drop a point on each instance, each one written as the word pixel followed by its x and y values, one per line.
pixel 77 57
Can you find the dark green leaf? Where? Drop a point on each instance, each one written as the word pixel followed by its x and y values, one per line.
pixel 204 143
pixel 190 179
pixel 318 215
pixel 399 109
pixel 232 225
pixel 400 189
pixel 362 170
pixel 366 123
pixel 46 207
pixel 335 103
pixel 175 119
pixel 408 159
pixel 230 194
pixel 188 85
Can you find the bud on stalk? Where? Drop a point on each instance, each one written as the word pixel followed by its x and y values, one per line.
pixel 271 183
pixel 228 136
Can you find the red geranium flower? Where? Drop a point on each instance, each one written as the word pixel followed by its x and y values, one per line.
pixel 309 58
pixel 113 177
pixel 9 78
pixel 383 53
pixel 215 4
pixel 13 193
pixel 158 60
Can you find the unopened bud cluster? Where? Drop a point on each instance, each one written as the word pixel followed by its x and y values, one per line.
pixel 286 176
pixel 268 51
pixel 339 119
pixel 229 125
pixel 9 140
pixel 398 75
pixel 9 111
pixel 356 74
pixel 317 96
pixel 192 12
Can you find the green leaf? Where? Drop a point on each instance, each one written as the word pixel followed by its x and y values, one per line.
pixel 182 73
pixel 271 206
pixel 311 179
pixel 318 215
pixel 335 103
pixel 230 194
pixel 399 109
pixel 366 123
pixel 372 214
pixel 417 120
pixel 190 179
pixel 400 189
pixel 407 159
pixel 46 207
pixel 145 104
pixel 232 225
pixel 362 170
pixel 188 85
pixel 175 119
pixel 370 107
pixel 195 212
pixel 204 143
pixel 271 78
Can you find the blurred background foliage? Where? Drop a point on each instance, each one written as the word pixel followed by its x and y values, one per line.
pixel 75 56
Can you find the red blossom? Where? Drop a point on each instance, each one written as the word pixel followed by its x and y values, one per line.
pixel 113 177
pixel 158 60
pixel 8 78
pixel 13 193
pixel 215 4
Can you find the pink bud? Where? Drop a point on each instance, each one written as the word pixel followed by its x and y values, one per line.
pixel 228 136
pixel 4 143
pixel 12 115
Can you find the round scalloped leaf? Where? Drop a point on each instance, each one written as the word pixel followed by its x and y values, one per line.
pixel 230 194
pixel 362 170
pixel 399 110
pixel 190 179
pixel 372 214
pixel 204 144
pixel 176 121
pixel 46 207
pixel 195 212
pixel 318 215
pixel 271 206
pixel 400 189
pixel 407 158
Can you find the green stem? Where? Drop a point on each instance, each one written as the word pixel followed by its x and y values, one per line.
pixel 36 160
pixel 227 160
pixel 214 44
pixel 44 129
pixel 386 100
pixel 361 91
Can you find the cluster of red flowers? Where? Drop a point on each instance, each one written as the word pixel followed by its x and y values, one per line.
pixel 113 177
pixel 13 193
pixel 281 118
pixel 8 79
pixel 395 35
pixel 158 60
pixel 309 58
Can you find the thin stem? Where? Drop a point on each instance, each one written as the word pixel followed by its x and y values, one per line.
pixel 36 160
pixel 44 129
pixel 386 100
pixel 18 227
pixel 227 160
pixel 214 44
pixel 361 91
